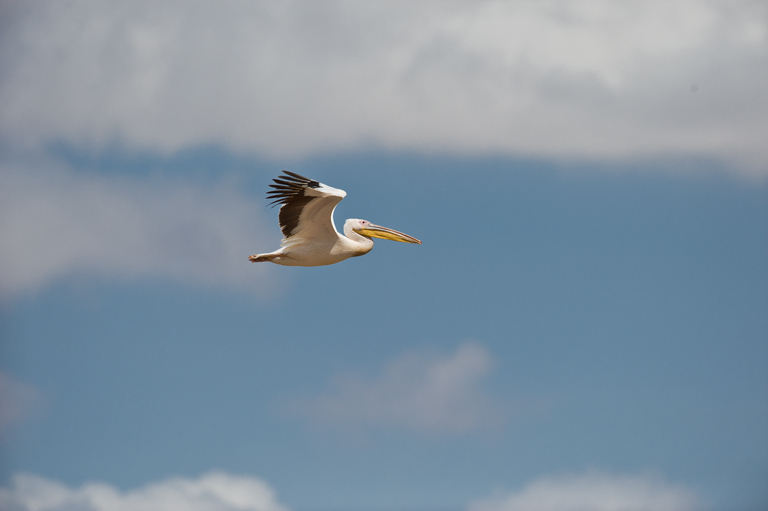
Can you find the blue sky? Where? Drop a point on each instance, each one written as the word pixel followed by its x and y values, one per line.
pixel 584 326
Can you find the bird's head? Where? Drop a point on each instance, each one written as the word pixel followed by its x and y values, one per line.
pixel 369 230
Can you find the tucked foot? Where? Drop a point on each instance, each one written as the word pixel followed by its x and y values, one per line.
pixel 256 258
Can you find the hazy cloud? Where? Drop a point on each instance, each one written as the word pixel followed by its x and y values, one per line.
pixel 216 491
pixel 17 401
pixel 591 78
pixel 55 223
pixel 416 391
pixel 594 491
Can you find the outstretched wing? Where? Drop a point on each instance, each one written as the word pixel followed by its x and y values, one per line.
pixel 306 206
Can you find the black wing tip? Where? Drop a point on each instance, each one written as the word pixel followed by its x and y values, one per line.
pixel 296 176
pixel 287 186
pixel 299 179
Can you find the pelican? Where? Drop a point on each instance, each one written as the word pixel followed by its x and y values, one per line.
pixel 306 219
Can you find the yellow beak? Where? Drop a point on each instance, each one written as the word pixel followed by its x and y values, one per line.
pixel 377 231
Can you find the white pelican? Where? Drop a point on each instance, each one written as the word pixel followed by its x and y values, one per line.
pixel 306 219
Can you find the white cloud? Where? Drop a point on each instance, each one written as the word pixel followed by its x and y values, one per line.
pixel 17 401
pixel 216 491
pixel 56 223
pixel 594 491
pixel 416 391
pixel 591 78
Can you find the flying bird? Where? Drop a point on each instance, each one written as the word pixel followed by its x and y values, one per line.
pixel 306 220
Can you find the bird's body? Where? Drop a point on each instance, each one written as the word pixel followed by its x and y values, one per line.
pixel 312 250
pixel 306 220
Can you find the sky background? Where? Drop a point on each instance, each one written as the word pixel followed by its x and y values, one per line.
pixel 584 327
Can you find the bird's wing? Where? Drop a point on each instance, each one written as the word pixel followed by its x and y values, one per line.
pixel 307 206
